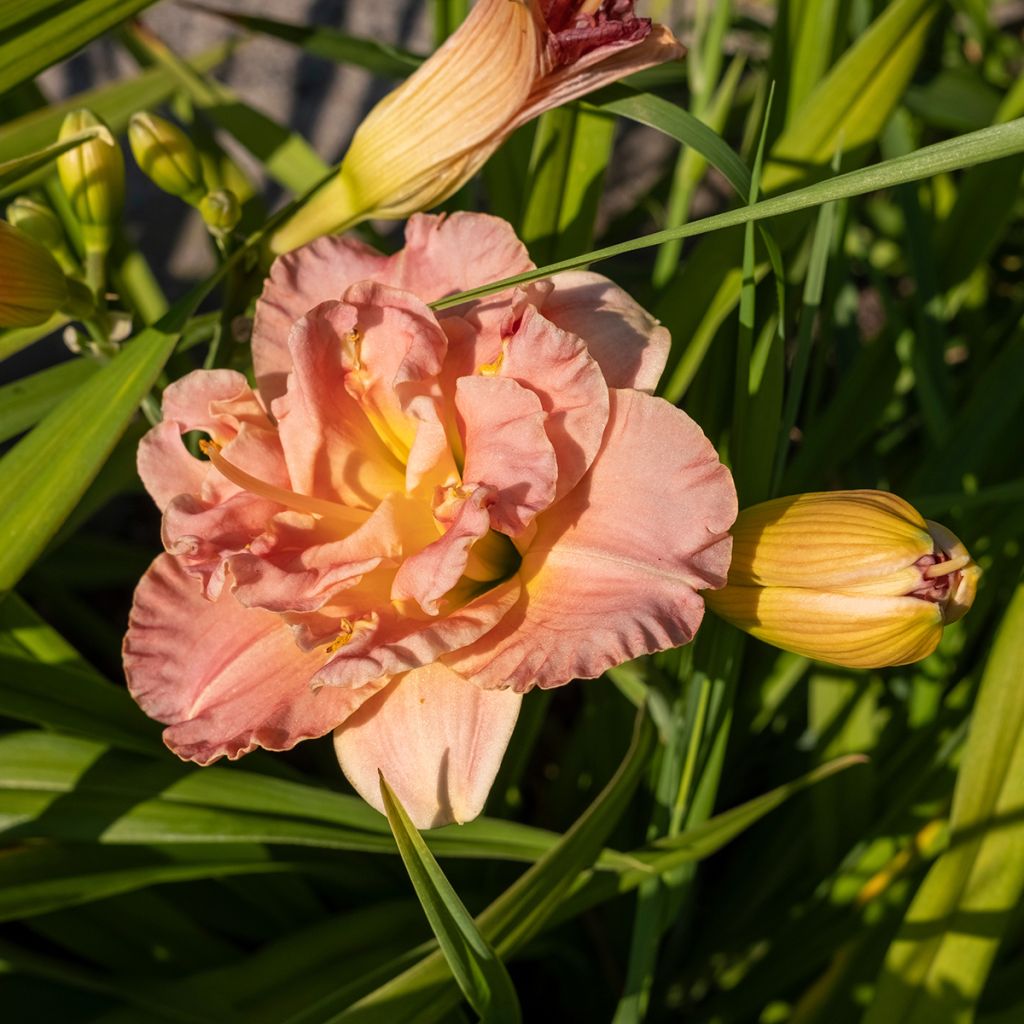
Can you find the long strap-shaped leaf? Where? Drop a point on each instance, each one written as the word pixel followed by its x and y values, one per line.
pixel 41 37
pixel 952 155
pixel 480 974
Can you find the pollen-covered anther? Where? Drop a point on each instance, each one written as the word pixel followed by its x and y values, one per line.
pixel 348 629
pixel 492 369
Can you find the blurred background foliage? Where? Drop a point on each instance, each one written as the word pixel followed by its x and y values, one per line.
pixel 738 865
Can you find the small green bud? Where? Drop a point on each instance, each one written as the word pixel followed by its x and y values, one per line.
pixel 221 212
pixel 37 220
pixel 32 285
pixel 167 157
pixel 92 176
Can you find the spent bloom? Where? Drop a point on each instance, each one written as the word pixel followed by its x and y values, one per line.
pixel 855 578
pixel 418 517
pixel 506 64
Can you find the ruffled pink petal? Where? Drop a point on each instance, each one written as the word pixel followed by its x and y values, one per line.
pixel 204 536
pixel 225 679
pixel 297 282
pixel 628 343
pixel 165 465
pixel 330 447
pixel 397 642
pixel 218 402
pixel 296 566
pixel 614 569
pixel 557 367
pixel 437 739
pixel 507 448
pixel 448 254
pixel 428 575
pixel 397 357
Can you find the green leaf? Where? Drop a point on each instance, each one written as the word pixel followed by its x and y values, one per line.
pixel 14 340
pixel 851 105
pixel 24 402
pixel 480 974
pixel 40 35
pixel 425 991
pixel 938 963
pixel 12 171
pixel 320 41
pixel 978 147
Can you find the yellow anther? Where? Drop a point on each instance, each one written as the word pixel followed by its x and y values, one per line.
pixel 344 637
pixel 209 448
pixel 945 568
pixel 492 369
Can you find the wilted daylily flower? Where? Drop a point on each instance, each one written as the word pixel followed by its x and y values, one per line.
pixel 506 64
pixel 855 578
pixel 419 517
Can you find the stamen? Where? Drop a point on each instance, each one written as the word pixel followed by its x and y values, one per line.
pixel 344 637
pixel 945 568
pixel 328 511
pixel 589 6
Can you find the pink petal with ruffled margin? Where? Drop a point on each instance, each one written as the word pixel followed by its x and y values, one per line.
pixel 614 569
pixel 428 575
pixel 299 281
pixel 437 739
pixel 507 448
pixel 443 255
pixel 225 679
pixel 557 367
pixel 628 343
pixel 331 450
pixel 400 642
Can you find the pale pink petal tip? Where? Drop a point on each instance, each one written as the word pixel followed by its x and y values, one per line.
pixel 438 740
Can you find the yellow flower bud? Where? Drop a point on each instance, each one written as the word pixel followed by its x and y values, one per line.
pixel 855 578
pixel 221 212
pixel 37 220
pixel 32 285
pixel 92 176
pixel 167 157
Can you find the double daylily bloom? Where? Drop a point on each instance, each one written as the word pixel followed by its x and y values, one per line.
pixel 418 517
pixel 506 64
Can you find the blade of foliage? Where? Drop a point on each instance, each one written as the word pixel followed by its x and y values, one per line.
pixel 12 171
pixel 939 961
pixel 448 15
pixel 320 41
pixel 954 154
pixel 118 798
pixel 14 340
pixel 476 968
pixel 24 402
pixel 40 38
pixel 851 105
pixel 571 151
pixel 426 992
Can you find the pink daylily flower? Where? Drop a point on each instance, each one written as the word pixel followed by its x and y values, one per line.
pixel 418 517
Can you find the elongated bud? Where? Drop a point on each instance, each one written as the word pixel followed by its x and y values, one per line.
pixel 92 176
pixel 37 220
pixel 221 211
pixel 855 578
pixel 32 285
pixel 166 155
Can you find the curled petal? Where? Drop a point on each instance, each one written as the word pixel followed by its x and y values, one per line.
pixel 614 569
pixel 628 343
pixel 223 678
pixel 507 448
pixel 438 740
pixel 558 368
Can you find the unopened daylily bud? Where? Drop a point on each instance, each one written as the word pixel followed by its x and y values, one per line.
pixel 855 578
pixel 221 211
pixel 37 220
pixel 507 63
pixel 92 176
pixel 166 155
pixel 32 285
